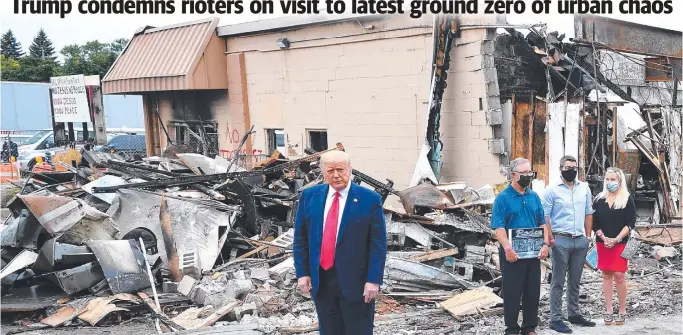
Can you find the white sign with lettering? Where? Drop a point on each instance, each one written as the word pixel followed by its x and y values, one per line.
pixel 69 99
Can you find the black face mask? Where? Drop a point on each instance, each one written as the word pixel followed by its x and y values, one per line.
pixel 569 175
pixel 524 181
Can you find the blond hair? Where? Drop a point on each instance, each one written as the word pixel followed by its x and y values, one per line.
pixel 335 156
pixel 623 195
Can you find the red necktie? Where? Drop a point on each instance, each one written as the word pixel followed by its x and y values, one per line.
pixel 330 234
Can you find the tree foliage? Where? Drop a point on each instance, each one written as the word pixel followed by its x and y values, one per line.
pixel 9 46
pixel 42 47
pixel 91 58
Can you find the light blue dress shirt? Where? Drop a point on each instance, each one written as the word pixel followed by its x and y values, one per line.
pixel 567 208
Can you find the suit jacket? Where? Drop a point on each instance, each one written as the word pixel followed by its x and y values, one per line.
pixel 361 248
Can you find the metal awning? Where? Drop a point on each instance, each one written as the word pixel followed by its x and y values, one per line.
pixel 186 56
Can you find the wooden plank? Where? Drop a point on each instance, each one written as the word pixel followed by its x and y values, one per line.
pixel 436 254
pixel 540 137
pixel 259 249
pixel 651 130
pixel 571 129
pixel 470 302
pixel 556 112
pixel 530 150
pixel 513 127
pixel 521 145
pixel 629 162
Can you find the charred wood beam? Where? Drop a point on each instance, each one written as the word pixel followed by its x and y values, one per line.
pixel 601 78
pixel 628 36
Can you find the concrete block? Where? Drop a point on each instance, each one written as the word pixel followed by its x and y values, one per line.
pixel 463 270
pixel 260 274
pixel 488 47
pixel 199 296
pixel 245 309
pixel 169 287
pixel 494 117
pixel 467 49
pixel 186 285
pixel 497 146
pixel 190 264
pixel 492 88
pixel 492 102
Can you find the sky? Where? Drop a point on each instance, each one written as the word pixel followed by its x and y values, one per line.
pixel 78 28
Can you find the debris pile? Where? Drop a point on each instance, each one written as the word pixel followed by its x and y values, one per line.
pixel 192 242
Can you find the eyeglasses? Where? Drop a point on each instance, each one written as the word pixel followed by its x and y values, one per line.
pixel 527 173
pixel 570 168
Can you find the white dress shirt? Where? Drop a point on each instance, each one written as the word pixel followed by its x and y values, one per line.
pixel 343 195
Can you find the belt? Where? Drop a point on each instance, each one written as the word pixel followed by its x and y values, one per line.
pixel 567 235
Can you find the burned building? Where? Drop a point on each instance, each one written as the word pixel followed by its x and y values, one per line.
pixel 312 82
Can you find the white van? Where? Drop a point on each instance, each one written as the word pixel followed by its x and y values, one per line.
pixel 44 141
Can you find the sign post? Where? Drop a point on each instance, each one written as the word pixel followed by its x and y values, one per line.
pixel 77 99
pixel 69 99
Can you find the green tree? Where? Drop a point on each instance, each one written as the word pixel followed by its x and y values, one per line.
pixel 42 47
pixel 92 58
pixel 36 69
pixel 118 45
pixel 10 47
pixel 9 67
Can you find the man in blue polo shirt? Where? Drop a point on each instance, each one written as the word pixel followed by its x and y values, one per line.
pixel 569 211
pixel 519 207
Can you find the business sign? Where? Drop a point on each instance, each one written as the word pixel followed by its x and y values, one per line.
pixel 527 242
pixel 69 99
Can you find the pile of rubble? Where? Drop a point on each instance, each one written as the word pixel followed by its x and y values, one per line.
pixel 191 242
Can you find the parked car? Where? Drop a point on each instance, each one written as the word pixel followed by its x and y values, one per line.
pixel 127 145
pixel 43 142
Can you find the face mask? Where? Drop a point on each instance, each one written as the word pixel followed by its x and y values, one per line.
pixel 524 181
pixel 569 175
pixel 612 187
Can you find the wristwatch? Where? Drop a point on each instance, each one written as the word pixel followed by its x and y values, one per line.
pixel 546 244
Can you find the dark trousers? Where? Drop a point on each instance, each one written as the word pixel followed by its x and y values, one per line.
pixel 569 257
pixel 336 314
pixel 521 283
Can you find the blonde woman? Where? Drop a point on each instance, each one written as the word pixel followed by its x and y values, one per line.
pixel 613 220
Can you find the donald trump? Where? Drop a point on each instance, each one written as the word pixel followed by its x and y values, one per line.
pixel 340 248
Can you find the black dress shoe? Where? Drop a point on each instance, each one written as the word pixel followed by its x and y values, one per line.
pixel 579 320
pixel 560 327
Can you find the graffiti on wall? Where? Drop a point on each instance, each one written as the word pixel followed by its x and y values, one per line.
pixel 233 137
pixel 229 154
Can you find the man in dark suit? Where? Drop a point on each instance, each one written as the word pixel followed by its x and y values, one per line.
pixel 340 248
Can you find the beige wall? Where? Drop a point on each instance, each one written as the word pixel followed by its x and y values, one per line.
pixel 369 95
pixel 370 89
pixel 464 128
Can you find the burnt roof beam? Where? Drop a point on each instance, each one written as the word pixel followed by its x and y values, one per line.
pixel 629 37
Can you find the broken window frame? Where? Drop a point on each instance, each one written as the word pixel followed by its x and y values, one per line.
pixel 271 139
pixel 201 135
pixel 310 141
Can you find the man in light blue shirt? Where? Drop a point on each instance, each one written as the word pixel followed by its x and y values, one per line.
pixel 568 212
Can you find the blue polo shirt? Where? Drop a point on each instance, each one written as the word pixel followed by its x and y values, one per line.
pixel 512 209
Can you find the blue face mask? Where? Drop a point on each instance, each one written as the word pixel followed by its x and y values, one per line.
pixel 613 186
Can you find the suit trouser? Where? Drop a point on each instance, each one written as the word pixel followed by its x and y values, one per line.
pixel 521 283
pixel 569 256
pixel 336 314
